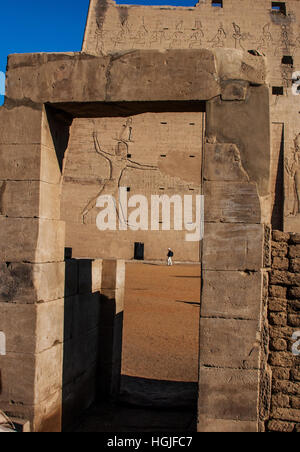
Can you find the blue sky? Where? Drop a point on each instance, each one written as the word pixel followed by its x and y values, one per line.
pixel 49 26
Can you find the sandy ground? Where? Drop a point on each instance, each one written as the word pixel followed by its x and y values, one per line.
pixel 160 354
pixel 161 322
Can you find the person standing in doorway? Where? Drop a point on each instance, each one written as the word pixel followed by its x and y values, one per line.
pixel 170 255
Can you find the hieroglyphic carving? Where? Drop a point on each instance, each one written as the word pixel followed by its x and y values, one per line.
pixel 284 43
pixel 286 74
pixel 118 163
pixel 141 36
pixel 196 38
pixel 297 45
pixel 219 39
pixel 292 167
pixel 178 37
pixel 238 36
pixel 266 40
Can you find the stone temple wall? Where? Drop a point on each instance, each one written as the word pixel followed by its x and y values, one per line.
pixel 163 157
pixel 240 24
pixel 284 322
pixel 73 124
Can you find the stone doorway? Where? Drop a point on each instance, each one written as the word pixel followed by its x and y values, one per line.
pixel 159 139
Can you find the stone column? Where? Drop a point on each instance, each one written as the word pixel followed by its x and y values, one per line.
pixel 31 268
pixel 235 254
pixel 111 328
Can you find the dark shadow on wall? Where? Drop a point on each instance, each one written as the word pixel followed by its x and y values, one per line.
pixel 59 125
pixel 92 343
pixel 277 213
pixel 146 405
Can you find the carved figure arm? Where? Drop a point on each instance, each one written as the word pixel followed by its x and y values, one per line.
pixel 140 166
pixel 98 147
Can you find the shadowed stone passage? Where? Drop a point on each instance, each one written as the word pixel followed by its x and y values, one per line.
pixel 146 406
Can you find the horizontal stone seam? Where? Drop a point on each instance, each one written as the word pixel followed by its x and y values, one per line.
pixel 36 302
pixel 36 217
pixel 230 419
pixel 30 180
pixel 33 263
pixel 32 218
pixel 2 143
pixel 228 318
pixel 230 222
pixel 210 366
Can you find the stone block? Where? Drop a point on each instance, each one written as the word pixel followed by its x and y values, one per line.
pixel 20 125
pixel 279 345
pixel 113 274
pixel 30 199
pixel 295 238
pixel 212 425
pixel 221 239
pixel 279 426
pixel 227 123
pixel 17 380
pixel 48 414
pixel 294 305
pixel 18 323
pixel 294 251
pixel 277 291
pixel 96 275
pixel 293 320
pixel 280 401
pixel 295 373
pixel 48 373
pixel 51 241
pixel 49 325
pixel 20 162
pixel 228 394
pixel 280 263
pixel 229 343
pixel 32 283
pixel 231 202
pixel 277 304
pixel 278 318
pixel 294 292
pixel 280 373
pixel 295 265
pixel 279 236
pixel 286 414
pixel 32 328
pixel 222 162
pixel 224 294
pixel 279 249
pixel 286 387
pixel 295 402
pixel 281 359
pixel 284 278
pixel 109 274
pixel 32 240
pixel 234 90
pixel 49 167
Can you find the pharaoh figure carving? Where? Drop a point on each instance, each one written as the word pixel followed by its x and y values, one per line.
pixel 292 167
pixel 118 163
pixel 266 39
pixel 220 38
